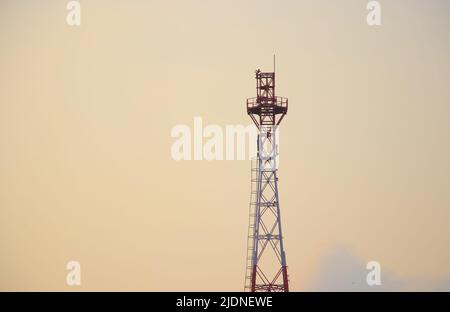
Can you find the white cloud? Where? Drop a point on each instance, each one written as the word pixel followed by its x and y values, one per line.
pixel 340 269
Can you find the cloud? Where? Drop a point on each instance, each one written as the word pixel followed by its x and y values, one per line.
pixel 340 269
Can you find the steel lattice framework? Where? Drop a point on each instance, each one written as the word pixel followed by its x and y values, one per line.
pixel 266 259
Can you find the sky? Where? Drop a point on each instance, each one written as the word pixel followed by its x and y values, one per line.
pixel 86 114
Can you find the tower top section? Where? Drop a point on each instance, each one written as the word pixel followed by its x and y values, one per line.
pixel 266 109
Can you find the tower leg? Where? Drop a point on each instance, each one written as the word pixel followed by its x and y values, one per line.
pixel 266 239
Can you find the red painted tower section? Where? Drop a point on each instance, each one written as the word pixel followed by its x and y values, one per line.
pixel 266 259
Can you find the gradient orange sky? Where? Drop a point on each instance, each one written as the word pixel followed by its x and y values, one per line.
pixel 86 113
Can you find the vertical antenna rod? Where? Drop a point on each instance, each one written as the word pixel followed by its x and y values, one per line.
pixel 274 63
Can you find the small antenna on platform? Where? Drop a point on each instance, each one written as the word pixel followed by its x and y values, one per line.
pixel 274 63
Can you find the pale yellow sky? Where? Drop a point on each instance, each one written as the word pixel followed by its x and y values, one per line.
pixel 86 113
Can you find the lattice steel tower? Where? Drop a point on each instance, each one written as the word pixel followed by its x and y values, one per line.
pixel 266 259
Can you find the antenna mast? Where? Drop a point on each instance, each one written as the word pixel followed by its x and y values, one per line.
pixel 266 259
